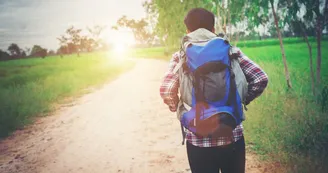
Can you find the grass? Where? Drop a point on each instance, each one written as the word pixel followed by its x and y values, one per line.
pixel 30 87
pixel 272 42
pixel 288 126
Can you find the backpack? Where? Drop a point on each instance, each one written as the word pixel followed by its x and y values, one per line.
pixel 206 69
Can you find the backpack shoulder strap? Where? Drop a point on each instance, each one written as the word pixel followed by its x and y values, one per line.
pixel 182 60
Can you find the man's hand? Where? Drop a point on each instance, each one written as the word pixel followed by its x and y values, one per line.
pixel 173 108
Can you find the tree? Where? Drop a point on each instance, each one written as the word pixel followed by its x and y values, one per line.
pixel 94 42
pixel 74 39
pixel 38 51
pixel 289 83
pixel 14 50
pixel 229 14
pixel 23 54
pixel 71 41
pixel 27 51
pixel 321 19
pixel 169 15
pixel 313 22
pixel 273 31
pixel 51 53
pixel 88 44
pixel 63 49
pixel 139 28
pixel 4 56
pixel 258 14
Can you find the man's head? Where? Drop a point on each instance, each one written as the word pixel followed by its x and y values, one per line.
pixel 199 18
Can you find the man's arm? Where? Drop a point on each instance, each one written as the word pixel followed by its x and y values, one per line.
pixel 257 79
pixel 170 85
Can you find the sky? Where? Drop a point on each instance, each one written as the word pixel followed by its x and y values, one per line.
pixel 30 22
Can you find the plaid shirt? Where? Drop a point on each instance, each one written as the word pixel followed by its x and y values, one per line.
pixel 257 82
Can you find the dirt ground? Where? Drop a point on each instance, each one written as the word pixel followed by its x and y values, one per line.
pixel 121 127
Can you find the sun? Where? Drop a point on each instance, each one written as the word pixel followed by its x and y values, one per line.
pixel 121 41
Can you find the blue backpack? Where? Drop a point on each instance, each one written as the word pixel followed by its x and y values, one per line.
pixel 216 107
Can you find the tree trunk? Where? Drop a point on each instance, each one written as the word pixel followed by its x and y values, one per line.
pixel 311 59
pixel 259 35
pixel 224 24
pixel 319 29
pixel 237 38
pixel 326 14
pixel 219 18
pixel 230 27
pixel 289 83
pixel 224 18
pixel 319 35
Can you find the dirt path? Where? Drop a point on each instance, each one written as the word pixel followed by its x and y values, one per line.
pixel 122 127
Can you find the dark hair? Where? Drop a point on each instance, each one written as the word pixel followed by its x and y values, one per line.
pixel 199 18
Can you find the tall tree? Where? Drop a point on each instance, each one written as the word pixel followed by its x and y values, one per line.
pixel 94 42
pixel 14 50
pixel 74 37
pixel 71 41
pixel 289 83
pixel 63 49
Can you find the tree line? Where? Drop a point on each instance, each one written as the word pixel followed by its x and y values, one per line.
pixel 76 40
pixel 72 41
pixel 15 52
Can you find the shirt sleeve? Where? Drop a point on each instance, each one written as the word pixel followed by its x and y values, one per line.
pixel 170 85
pixel 257 79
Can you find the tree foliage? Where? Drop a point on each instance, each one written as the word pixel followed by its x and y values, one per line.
pixel 93 41
pixel 4 55
pixel 139 28
pixel 73 41
pixel 170 16
pixel 14 50
pixel 38 51
pixel 315 19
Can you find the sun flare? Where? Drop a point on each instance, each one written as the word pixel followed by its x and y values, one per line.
pixel 120 48
pixel 121 42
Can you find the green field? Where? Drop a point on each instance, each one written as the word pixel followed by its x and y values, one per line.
pixel 31 87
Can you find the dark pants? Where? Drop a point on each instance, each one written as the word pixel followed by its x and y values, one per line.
pixel 228 159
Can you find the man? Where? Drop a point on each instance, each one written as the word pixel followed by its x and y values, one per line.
pixel 208 154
